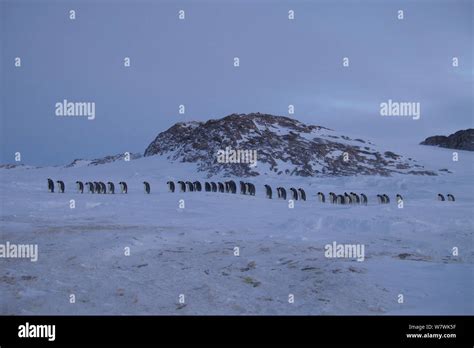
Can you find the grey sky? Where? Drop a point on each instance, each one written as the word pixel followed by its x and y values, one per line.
pixel 190 62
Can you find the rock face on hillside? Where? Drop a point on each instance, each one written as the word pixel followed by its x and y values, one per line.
pixel 284 146
pixel 104 160
pixel 461 140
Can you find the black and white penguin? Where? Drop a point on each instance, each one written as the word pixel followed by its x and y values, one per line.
pixel 182 186
pixel 227 187
pixel 251 189
pixel 171 186
pixel 387 199
pixel 282 192
pixel 341 199
pixel 50 185
pixel 302 194
pixel 363 198
pixel 80 186
pixel 355 197
pixel 294 193
pixel 91 187
pixel 190 186
pixel 440 197
pixel 97 187
pixel 197 186
pixel 321 197
pixel 103 187
pixel 268 191
pixel 221 187
pixel 232 186
pixel 381 199
pixel 123 187
pixel 347 198
pixel 332 198
pixel 213 186
pixel 451 197
pixel 147 187
pixel 243 188
pixel 399 198
pixel 207 187
pixel 60 186
pixel 111 187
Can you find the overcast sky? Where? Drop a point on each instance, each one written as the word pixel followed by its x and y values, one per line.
pixel 190 62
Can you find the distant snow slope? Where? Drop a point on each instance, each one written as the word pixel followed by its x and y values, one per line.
pixel 190 251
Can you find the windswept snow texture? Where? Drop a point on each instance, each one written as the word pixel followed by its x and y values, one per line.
pixel 190 251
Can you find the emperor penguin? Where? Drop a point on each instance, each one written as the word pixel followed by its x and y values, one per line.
pixel 207 187
pixel 123 187
pixel 381 199
pixel 213 186
pixel 294 193
pixel 283 193
pixel 332 198
pixel 103 188
pixel 60 186
pixel 302 194
pixel 80 186
pixel 243 188
pixel 90 186
pixel 111 187
pixel 440 197
pixel 341 199
pixel 190 186
pixel 268 190
pixel 197 186
pixel 363 198
pixel 171 186
pixel 387 199
pixel 399 198
pixel 251 189
pixel 321 197
pixel 221 187
pixel 451 197
pixel 97 187
pixel 227 186
pixel 182 186
pixel 233 186
pixel 355 197
pixel 347 198
pixel 50 185
pixel 147 187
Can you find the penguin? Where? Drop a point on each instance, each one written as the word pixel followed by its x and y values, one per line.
pixel 243 188
pixel 399 198
pixel 387 199
pixel 294 193
pixel 171 186
pixel 283 193
pixel 233 187
pixel 97 187
pixel 347 198
pixel 103 187
pixel 251 189
pixel 302 194
pixel 332 198
pixel 227 186
pixel 381 199
pixel 80 186
pixel 451 197
pixel 341 199
pixel 190 186
pixel 207 187
pixel 60 186
pixel 363 198
pixel 221 187
pixel 268 191
pixel 321 197
pixel 197 186
pixel 182 186
pixel 90 187
pixel 111 187
pixel 440 197
pixel 50 185
pixel 355 197
pixel 147 187
pixel 213 186
pixel 123 187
